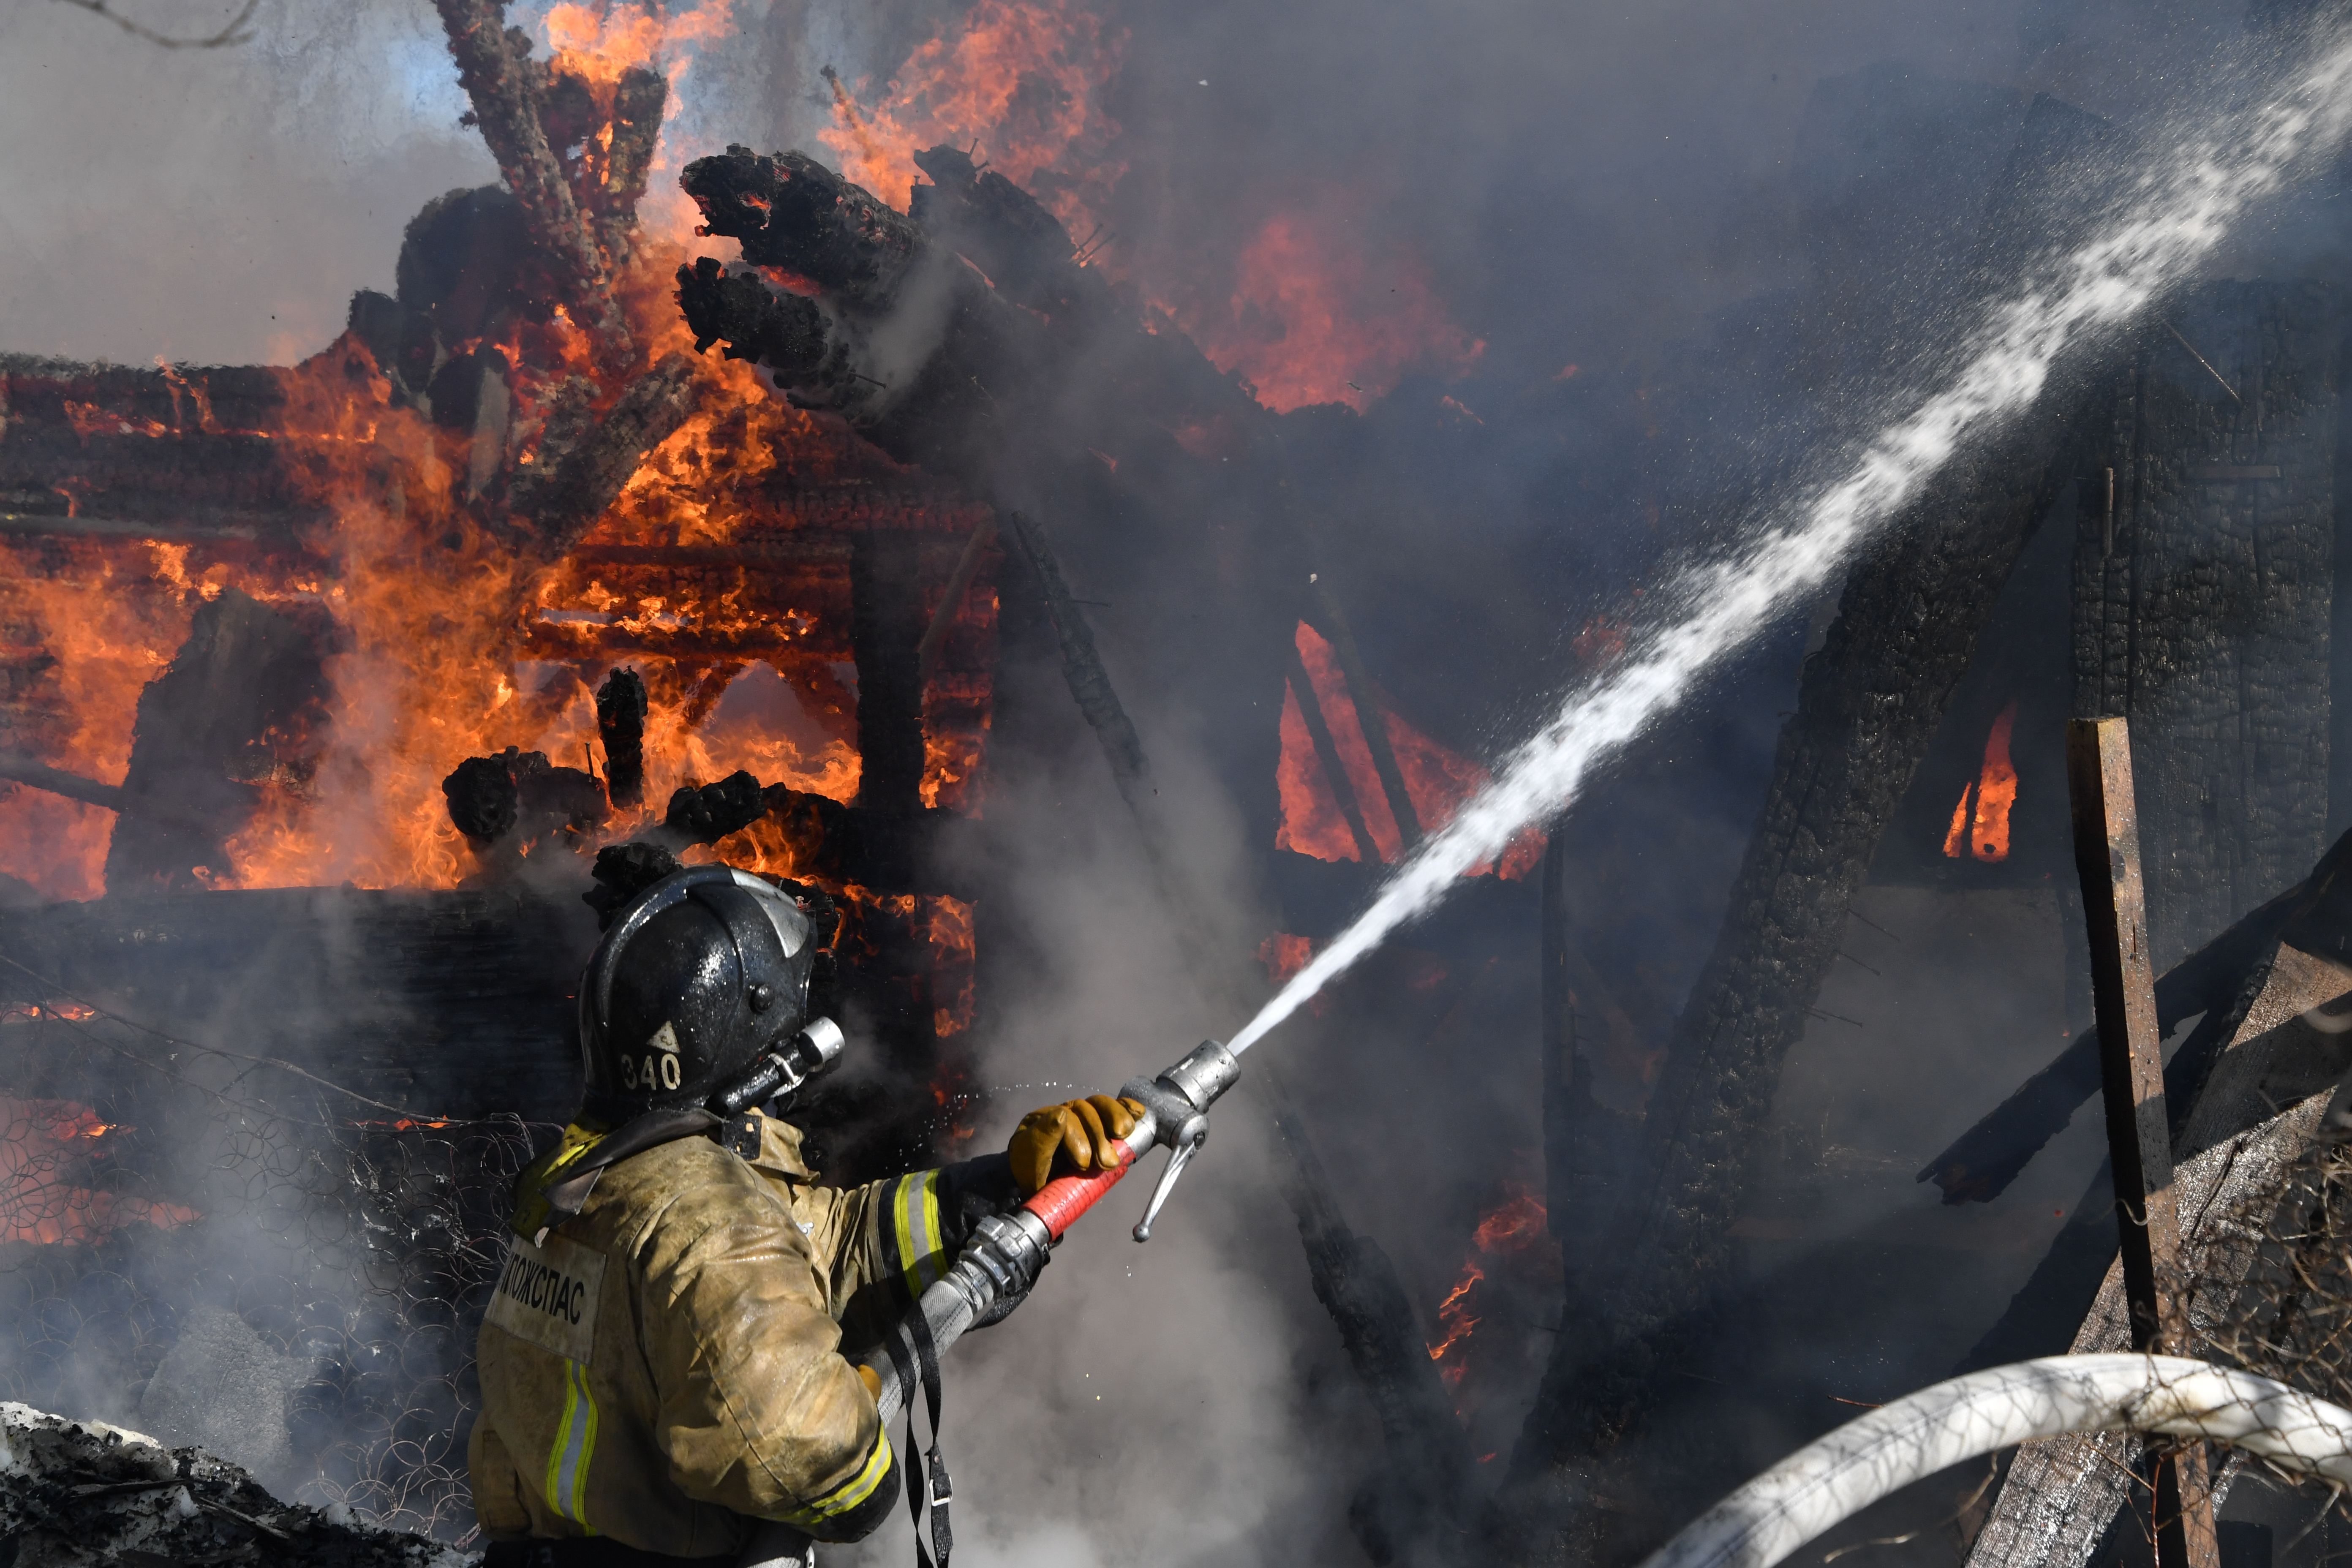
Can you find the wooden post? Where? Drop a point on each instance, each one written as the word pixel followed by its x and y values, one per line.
pixel 2131 1063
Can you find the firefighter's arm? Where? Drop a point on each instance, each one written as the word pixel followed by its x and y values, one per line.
pixel 758 1412
pixel 885 1242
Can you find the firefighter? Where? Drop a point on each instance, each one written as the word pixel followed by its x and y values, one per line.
pixel 662 1364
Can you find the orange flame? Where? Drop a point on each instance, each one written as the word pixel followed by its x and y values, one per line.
pixel 1436 780
pixel 1024 78
pixel 1315 318
pixel 38 1201
pixel 1513 1225
pixel 1981 821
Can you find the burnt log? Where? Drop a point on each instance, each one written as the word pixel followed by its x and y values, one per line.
pixel 235 714
pixel 620 708
pixel 1417 1506
pixel 494 67
pixel 585 457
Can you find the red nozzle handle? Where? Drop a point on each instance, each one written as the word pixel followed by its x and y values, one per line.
pixel 1061 1200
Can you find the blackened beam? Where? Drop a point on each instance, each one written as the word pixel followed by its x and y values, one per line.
pixel 1372 720
pixel 557 498
pixel 1326 753
pixel 184 526
pixel 495 69
pixel 1981 1163
pixel 40 775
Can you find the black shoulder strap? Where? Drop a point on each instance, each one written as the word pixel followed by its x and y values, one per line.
pixel 915 1357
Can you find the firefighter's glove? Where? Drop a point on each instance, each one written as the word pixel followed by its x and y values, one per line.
pixel 1069 1140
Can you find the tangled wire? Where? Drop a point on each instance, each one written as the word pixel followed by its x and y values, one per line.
pixel 224 1254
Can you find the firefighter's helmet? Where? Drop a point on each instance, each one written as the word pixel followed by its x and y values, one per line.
pixel 701 976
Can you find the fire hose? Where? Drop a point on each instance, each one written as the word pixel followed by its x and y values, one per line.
pixel 1003 1259
pixel 1831 1481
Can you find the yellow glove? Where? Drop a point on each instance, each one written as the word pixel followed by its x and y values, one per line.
pixel 1069 1140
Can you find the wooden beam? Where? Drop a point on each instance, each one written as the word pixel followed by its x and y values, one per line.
pixel 2139 1136
pixel 967 567
pixel 1327 752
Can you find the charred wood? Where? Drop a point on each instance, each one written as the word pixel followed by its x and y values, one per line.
pixel 445 1004
pixel 1327 755
pixel 84 1493
pixel 620 708
pixel 886 632
pixel 89 792
pixel 1984 1161
pixel 1913 606
pixel 490 797
pixel 494 67
pixel 2203 580
pixel 1415 1508
pixel 585 457
pixel 234 715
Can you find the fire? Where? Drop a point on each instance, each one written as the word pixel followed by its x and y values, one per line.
pixel 599 41
pixel 1436 780
pixel 1024 78
pixel 42 1146
pixel 1512 1226
pixel 1316 316
pixel 1981 821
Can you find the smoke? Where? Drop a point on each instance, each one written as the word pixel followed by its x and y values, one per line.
pixel 1625 205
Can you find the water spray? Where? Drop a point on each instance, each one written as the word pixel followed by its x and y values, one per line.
pixel 2183 206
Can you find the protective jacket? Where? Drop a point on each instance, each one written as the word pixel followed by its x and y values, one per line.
pixel 666 1369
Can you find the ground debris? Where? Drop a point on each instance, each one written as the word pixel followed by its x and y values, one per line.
pixel 78 1494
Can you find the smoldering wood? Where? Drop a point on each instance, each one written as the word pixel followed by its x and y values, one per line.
pixel 80 1494
pixel 1981 1163
pixel 1866 710
pixel 2203 601
pixel 494 67
pixel 620 708
pixel 886 632
pixel 553 503
pixel 207 742
pixel 445 1004
pixel 1417 1506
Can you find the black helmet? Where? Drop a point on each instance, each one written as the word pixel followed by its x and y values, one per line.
pixel 702 975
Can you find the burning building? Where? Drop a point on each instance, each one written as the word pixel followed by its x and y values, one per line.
pixel 327 682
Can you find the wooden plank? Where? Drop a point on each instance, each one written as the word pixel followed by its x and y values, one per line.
pixel 2139 1138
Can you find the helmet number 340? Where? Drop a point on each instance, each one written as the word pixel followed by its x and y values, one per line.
pixel 645 1074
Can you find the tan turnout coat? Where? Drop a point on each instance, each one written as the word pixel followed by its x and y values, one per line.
pixel 666 1368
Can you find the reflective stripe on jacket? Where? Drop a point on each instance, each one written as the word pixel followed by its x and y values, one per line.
pixel 668 1367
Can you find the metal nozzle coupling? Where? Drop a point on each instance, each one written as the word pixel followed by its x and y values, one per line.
pixel 1179 1100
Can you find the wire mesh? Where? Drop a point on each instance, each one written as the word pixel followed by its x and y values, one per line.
pixel 226 1248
